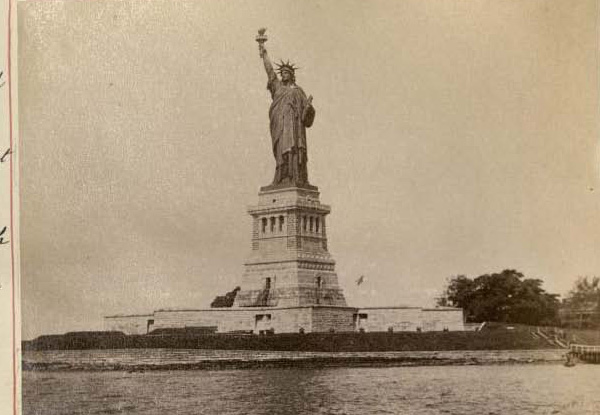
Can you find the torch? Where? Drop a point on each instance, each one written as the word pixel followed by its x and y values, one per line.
pixel 261 38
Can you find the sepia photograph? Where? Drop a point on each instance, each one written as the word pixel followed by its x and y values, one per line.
pixel 318 207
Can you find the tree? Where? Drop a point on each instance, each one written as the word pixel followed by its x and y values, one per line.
pixel 532 305
pixel 504 297
pixel 582 305
pixel 459 292
pixel 585 293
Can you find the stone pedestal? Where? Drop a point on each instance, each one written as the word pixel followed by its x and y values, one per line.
pixel 289 264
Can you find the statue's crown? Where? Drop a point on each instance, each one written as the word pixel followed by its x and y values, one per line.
pixel 286 66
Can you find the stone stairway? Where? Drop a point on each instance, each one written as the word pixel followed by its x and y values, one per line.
pixel 263 298
pixel 552 340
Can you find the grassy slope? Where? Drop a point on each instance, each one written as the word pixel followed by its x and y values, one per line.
pixel 495 337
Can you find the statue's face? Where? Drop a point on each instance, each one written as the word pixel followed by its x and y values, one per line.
pixel 286 76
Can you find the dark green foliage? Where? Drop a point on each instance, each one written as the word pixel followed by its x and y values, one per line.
pixel 225 300
pixel 503 297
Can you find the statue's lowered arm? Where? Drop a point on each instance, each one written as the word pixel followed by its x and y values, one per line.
pixel 308 116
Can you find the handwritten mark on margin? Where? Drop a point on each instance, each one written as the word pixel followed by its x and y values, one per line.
pixel 2 232
pixel 2 160
pixel 4 157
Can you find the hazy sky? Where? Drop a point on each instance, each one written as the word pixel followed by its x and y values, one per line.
pixel 451 137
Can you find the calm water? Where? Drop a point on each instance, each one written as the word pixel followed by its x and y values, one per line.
pixel 487 389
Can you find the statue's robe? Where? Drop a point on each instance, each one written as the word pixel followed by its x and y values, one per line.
pixel 290 114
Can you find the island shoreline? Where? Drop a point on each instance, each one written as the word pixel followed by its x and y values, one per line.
pixel 169 360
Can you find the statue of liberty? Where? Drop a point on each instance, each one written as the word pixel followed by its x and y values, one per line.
pixel 291 113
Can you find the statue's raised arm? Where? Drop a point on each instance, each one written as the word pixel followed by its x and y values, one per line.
pixel 291 112
pixel 267 62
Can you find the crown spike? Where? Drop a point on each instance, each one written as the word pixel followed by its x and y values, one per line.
pixel 286 66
